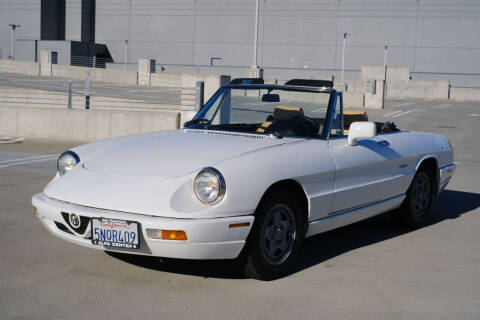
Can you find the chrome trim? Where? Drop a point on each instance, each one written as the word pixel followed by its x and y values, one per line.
pixel 443 185
pixel 357 208
pixel 221 182
pixel 449 167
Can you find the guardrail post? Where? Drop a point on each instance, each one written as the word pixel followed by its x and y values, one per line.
pixel 69 94
pixel 87 91
pixel 199 94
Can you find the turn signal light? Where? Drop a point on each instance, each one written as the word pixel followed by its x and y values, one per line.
pixel 35 211
pixel 174 235
pixel 239 225
pixel 167 234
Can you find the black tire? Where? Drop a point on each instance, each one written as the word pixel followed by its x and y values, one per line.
pixel 276 237
pixel 416 209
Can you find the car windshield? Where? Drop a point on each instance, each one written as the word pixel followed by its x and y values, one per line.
pixel 276 111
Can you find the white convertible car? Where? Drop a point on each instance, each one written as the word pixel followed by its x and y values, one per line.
pixel 257 169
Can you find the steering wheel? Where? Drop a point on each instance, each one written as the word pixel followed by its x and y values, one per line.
pixel 315 125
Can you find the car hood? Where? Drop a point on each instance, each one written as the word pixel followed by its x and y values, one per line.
pixel 174 154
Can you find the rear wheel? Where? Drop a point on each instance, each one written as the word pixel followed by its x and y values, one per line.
pixel 415 210
pixel 276 237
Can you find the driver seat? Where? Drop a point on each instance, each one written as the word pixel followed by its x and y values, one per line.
pixel 281 112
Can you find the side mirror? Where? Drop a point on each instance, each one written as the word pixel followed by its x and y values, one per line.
pixel 361 130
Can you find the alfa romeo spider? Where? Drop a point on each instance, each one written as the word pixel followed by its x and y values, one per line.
pixel 259 168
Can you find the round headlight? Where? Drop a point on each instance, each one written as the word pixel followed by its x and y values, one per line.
pixel 67 161
pixel 209 186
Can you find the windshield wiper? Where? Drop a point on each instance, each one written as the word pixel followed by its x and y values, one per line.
pixel 197 121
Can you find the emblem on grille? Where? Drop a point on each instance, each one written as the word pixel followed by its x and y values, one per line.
pixel 74 220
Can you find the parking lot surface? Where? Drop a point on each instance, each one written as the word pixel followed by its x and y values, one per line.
pixel 369 270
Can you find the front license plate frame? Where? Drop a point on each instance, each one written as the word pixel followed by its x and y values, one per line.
pixel 114 233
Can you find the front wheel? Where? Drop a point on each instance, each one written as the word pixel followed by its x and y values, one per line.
pixel 415 210
pixel 276 237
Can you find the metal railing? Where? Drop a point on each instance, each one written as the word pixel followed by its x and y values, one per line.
pixel 91 62
pixel 358 85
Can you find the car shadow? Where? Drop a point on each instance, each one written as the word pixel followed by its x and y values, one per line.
pixel 320 248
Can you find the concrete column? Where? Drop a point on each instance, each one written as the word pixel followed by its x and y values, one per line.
pixel 374 100
pixel 46 63
pixel 145 71
pixel 254 72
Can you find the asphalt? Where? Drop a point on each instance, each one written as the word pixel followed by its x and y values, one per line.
pixel 369 270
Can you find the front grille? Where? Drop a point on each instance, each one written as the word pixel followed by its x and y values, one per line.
pixel 62 227
pixel 83 223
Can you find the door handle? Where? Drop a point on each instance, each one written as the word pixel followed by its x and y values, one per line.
pixel 383 143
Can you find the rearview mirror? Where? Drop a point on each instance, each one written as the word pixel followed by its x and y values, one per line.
pixel 271 97
pixel 361 130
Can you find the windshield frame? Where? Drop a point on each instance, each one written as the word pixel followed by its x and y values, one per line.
pixel 328 116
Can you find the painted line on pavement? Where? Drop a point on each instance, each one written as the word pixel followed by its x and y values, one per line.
pixel 442 106
pixel 392 113
pixel 29 158
pixel 25 162
pixel 401 114
pixel 403 104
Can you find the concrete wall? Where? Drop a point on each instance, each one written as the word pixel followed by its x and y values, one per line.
pixel 419 89
pixel 20 67
pixel 61 47
pixel 353 99
pixel 27 14
pixel 81 125
pixel 465 94
pixel 96 74
pixel 302 38
pixel 394 73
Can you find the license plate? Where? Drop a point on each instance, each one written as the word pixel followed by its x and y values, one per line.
pixel 115 233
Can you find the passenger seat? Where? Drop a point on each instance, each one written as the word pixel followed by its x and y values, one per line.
pixel 281 112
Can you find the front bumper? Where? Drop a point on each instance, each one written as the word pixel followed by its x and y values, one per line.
pixel 207 238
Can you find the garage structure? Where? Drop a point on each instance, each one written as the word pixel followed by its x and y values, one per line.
pixel 436 39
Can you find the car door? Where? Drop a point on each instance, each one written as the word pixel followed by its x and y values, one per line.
pixel 365 173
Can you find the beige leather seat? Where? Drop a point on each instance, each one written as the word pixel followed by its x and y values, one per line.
pixel 282 112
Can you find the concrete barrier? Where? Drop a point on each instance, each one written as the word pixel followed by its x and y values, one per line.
pixel 465 94
pixel 419 89
pixel 164 79
pixel 81 125
pixel 374 100
pixel 353 99
pixel 212 82
pixel 20 67
pixel 96 74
